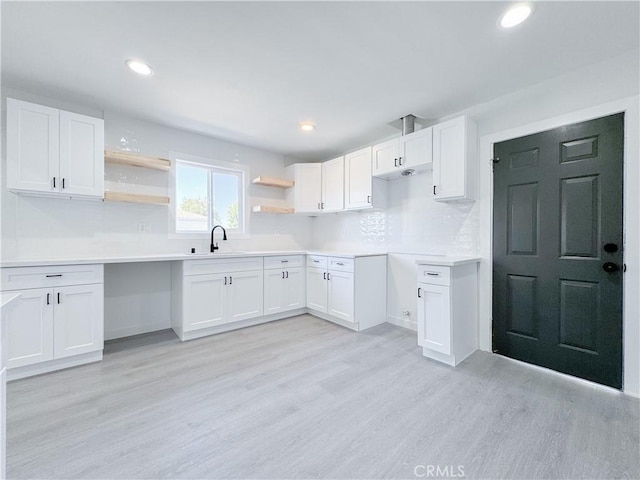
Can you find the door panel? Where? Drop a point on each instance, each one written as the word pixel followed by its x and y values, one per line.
pixel 434 318
pixel 294 291
pixel 557 203
pixel 274 288
pixel 357 180
pixel 78 320
pixel 341 295
pixel 205 301
pixel 30 328
pixel 245 295
pixel 333 185
pixel 317 289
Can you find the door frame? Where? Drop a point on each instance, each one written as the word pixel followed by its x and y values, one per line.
pixel 631 226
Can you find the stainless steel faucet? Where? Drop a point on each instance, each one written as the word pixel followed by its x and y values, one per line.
pixel 214 247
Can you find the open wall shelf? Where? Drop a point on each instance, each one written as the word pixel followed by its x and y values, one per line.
pixel 121 158
pixel 271 209
pixel 273 182
pixel 111 196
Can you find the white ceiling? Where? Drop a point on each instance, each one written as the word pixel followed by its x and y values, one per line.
pixel 251 71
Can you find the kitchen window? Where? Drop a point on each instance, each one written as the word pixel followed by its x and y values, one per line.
pixel 209 193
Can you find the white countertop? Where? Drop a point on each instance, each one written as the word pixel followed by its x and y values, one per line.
pixel 167 257
pixel 446 261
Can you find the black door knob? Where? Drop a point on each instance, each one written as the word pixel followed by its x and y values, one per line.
pixel 610 247
pixel 610 267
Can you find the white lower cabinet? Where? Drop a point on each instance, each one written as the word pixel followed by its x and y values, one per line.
pixel 348 291
pixel 57 325
pixel 212 294
pixel 447 311
pixel 284 284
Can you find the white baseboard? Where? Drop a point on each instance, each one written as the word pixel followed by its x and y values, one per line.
pixel 402 322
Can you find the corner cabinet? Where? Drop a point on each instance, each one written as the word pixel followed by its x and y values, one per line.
pixel 348 291
pixel 448 311
pixel 306 194
pixel 53 152
pixel 455 160
pixel 57 321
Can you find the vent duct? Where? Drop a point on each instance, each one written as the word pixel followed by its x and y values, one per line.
pixel 408 124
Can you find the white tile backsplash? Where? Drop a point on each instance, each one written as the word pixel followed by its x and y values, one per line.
pixel 412 223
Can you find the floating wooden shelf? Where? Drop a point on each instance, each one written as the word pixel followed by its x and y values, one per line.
pixel 156 163
pixel 273 182
pixel 135 198
pixel 270 209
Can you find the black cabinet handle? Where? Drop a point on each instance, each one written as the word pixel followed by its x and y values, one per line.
pixel 395 162
pixel 322 206
pixel 225 280
pixel 287 274
pixel 434 189
pixel 368 198
pixel 63 183
pixel 419 291
pixel 230 280
pixel 328 276
pixel 58 298
pixel 284 261
pixel 48 298
pixel 400 161
pixel 54 182
pixel 324 276
pixel 282 274
pixel 57 275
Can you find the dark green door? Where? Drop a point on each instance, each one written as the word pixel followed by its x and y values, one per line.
pixel 557 249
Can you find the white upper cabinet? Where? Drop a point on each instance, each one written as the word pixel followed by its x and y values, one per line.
pixel 454 160
pixel 361 190
pixel 411 151
pixel 53 152
pixel 81 155
pixel 332 185
pixel 306 194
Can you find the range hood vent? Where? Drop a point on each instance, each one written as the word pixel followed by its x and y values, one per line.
pixel 408 124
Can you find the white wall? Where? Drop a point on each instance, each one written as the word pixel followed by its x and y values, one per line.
pixel 34 227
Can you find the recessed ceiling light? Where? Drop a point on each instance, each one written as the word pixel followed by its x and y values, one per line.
pixel 139 67
pixel 307 126
pixel 515 15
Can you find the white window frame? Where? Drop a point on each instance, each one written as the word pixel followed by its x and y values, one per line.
pixel 214 164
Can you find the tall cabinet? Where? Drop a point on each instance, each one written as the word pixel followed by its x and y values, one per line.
pixel 54 152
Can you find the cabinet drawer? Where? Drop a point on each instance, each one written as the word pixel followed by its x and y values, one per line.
pixel 223 265
pixel 434 274
pixel 341 264
pixel 317 261
pixel 17 278
pixel 282 261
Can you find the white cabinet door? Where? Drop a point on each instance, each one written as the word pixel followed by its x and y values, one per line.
pixel 317 289
pixel 415 149
pixel 204 301
pixel 333 185
pixel 244 295
pixel 78 320
pixel 274 291
pixel 434 318
pixel 33 153
pixel 81 155
pixel 30 328
pixel 385 157
pixel 449 162
pixel 341 295
pixel 294 292
pixel 306 194
pixel 357 179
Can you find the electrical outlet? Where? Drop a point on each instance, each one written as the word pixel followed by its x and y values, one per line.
pixel 143 227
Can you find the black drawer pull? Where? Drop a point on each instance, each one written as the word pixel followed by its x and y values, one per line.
pixel 58 298
pixel 57 275
pixel 431 274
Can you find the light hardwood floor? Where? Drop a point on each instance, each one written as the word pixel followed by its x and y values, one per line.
pixel 303 398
